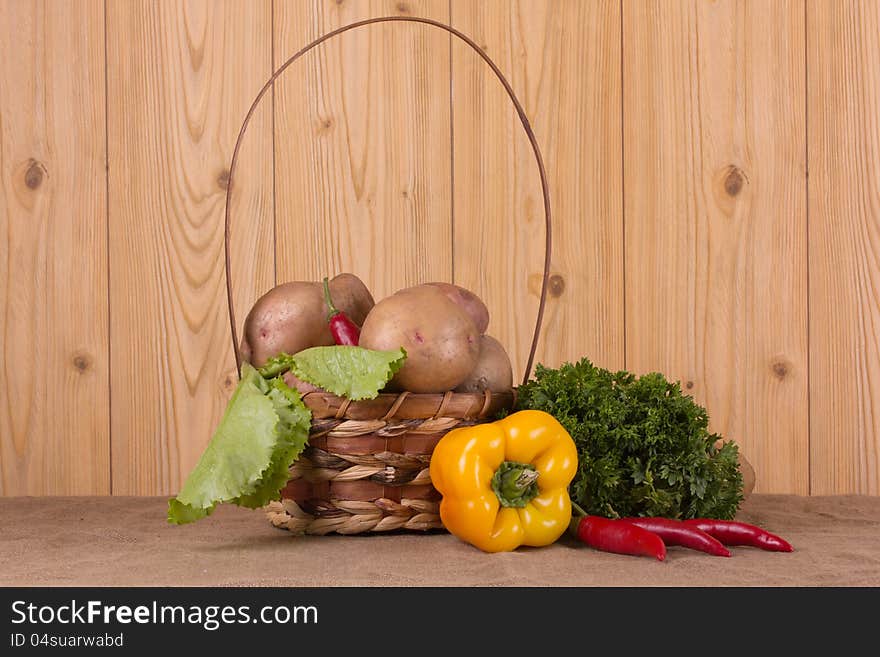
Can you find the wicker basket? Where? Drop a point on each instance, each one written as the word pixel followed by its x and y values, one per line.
pixel 366 468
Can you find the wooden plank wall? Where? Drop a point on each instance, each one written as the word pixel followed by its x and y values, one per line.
pixel 180 77
pixel 713 168
pixel 359 126
pixel 716 216
pixel 843 106
pixel 54 339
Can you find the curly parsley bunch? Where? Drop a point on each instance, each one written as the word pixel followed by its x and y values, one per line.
pixel 644 448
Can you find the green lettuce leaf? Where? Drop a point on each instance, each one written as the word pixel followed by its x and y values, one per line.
pixel 276 365
pixel 266 426
pixel 263 431
pixel 294 420
pixel 353 372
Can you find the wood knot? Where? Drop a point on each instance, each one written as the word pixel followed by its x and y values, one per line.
pixel 81 362
pixel 402 7
pixel 689 385
pixel 33 175
pixel 324 125
pixel 734 180
pixel 556 285
pixel 229 380
pixel 780 369
pixel 223 179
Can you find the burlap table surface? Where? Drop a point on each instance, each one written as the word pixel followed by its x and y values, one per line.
pixel 125 541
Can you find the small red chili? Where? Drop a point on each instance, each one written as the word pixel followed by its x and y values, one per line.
pixel 730 532
pixel 676 532
pixel 616 536
pixel 345 331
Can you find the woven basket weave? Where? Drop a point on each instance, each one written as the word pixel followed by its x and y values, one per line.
pixel 366 467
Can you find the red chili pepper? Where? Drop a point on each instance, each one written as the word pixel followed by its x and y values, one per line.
pixel 344 331
pixel 730 532
pixel 676 532
pixel 616 536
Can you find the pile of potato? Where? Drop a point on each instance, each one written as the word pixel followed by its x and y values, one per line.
pixel 441 326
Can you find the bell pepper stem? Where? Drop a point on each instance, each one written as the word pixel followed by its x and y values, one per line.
pixel 526 478
pixel 515 484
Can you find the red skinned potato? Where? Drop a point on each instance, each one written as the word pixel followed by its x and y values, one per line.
pixel 746 469
pixel 245 350
pixel 303 387
pixel 492 372
pixel 469 302
pixel 352 297
pixel 293 316
pixel 748 475
pixel 441 342
pixel 288 318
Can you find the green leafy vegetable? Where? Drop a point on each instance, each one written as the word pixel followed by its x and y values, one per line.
pixel 353 372
pixel 266 426
pixel 276 365
pixel 294 421
pixel 644 447
pixel 263 431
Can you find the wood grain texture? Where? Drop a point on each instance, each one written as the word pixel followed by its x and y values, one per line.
pixel 181 76
pixel 716 254
pixel 54 412
pixel 676 136
pixel 563 61
pixel 844 201
pixel 362 141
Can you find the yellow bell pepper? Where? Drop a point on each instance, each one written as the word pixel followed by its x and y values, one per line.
pixel 505 483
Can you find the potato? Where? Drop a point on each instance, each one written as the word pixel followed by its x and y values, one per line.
pixel 288 318
pixel 748 475
pixel 245 350
pixel 350 295
pixel 469 302
pixel 303 387
pixel 493 371
pixel 745 468
pixel 440 339
pixel 293 316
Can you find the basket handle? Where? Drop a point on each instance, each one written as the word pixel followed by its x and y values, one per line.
pixel 545 190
